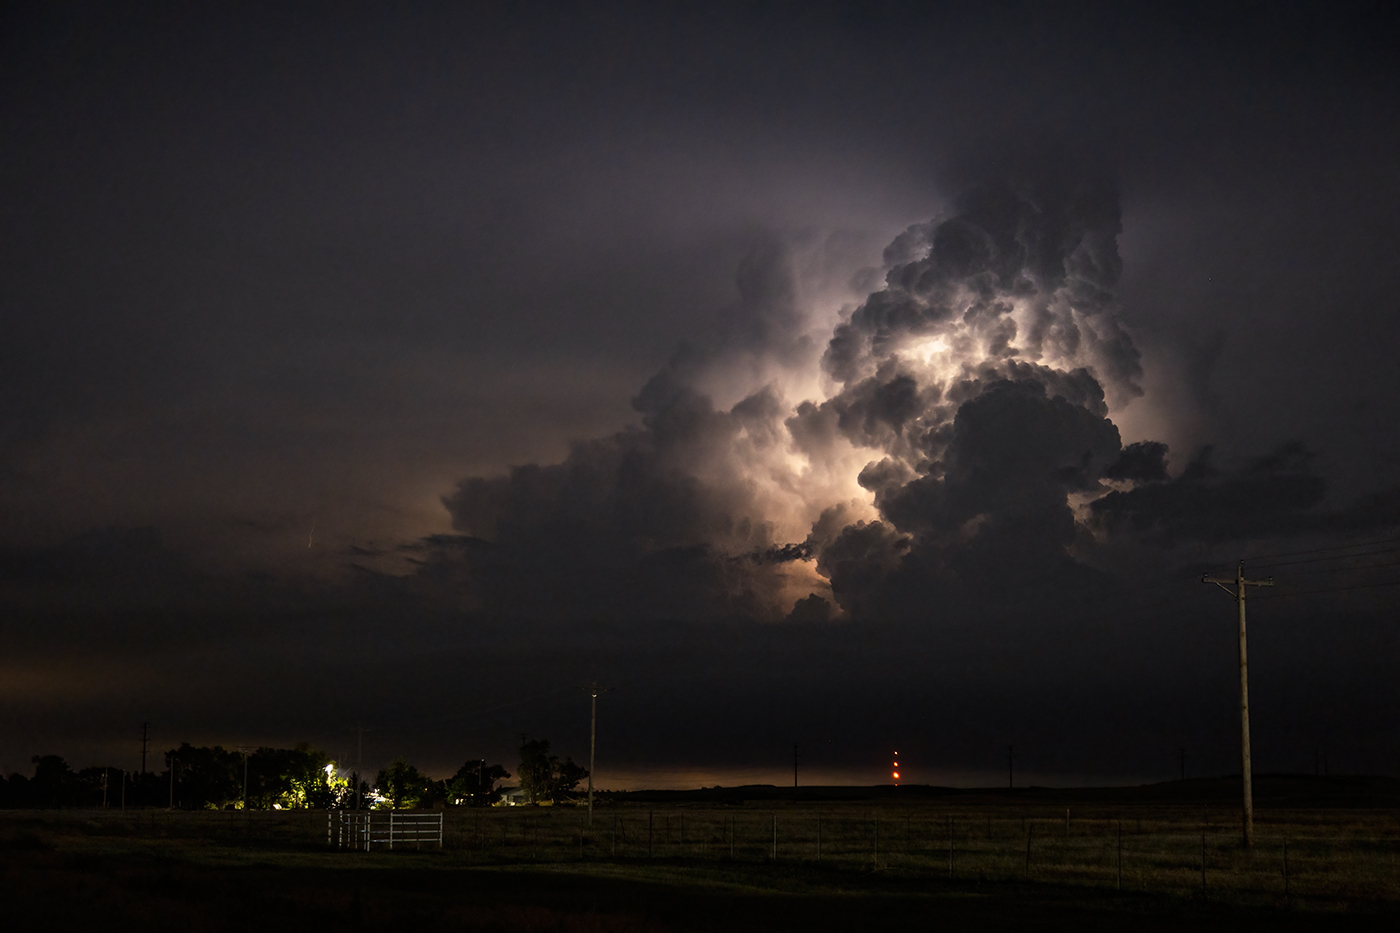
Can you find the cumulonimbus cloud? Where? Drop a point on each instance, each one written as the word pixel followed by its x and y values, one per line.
pixel 962 426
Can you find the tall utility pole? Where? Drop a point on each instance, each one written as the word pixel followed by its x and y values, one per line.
pixel 794 766
pixel 1239 584
pixel 145 726
pixel 593 690
pixel 359 760
pixel 244 749
pixel 1010 769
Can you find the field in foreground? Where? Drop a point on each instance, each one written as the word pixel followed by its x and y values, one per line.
pixel 752 861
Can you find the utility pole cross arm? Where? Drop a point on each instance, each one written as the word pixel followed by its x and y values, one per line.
pixel 1229 583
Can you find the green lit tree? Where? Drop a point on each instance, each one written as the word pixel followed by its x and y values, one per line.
pixel 289 778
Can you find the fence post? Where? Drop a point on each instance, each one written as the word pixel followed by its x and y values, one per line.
pixel 649 826
pixel 950 848
pixel 775 837
pixel 1120 855
pixel 877 842
pixel 391 830
pixel 731 836
pixel 819 837
pixel 1285 873
pixel 1030 829
pixel 1203 863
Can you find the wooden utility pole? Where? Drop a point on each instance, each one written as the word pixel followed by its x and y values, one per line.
pixel 794 766
pixel 244 749
pixel 359 760
pixel 1240 584
pixel 145 727
pixel 593 690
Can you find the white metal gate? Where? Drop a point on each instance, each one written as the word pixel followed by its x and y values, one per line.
pixel 363 829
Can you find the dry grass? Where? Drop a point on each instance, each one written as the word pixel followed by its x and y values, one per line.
pixel 1339 861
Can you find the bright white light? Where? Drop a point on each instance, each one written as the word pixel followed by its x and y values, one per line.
pixel 926 350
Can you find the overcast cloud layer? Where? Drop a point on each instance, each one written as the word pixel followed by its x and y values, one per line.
pixel 864 378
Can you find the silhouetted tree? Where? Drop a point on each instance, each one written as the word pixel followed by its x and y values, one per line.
pixel 90 786
pixel 543 776
pixel 474 784
pixel 402 786
pixel 14 792
pixel 206 778
pixel 54 784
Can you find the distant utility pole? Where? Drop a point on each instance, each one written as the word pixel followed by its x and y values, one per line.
pixel 359 759
pixel 1183 762
pixel 145 726
pixel 593 690
pixel 1240 584
pixel 1010 769
pixel 794 765
pixel 244 750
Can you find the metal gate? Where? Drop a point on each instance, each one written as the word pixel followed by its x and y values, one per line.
pixel 364 829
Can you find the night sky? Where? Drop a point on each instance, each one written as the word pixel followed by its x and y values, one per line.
pixel 863 376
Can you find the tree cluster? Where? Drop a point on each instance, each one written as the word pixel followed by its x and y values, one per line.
pixel 543 777
pixel 56 784
pixel 215 778
pixel 401 786
pixel 195 778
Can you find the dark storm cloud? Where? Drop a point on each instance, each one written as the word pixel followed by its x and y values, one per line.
pixel 273 269
pixel 989 448
pixel 623 527
pixel 1277 495
pixel 1050 239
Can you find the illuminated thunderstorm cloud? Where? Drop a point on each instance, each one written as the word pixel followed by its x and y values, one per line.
pixel 953 432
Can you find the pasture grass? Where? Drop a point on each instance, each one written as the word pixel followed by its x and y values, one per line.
pixel 662 867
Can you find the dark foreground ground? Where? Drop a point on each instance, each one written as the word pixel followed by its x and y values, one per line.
pixel 217 890
pixel 847 860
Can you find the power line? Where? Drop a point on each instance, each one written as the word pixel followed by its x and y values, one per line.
pixel 1319 560
pixel 1331 589
pixel 1356 569
pixel 1319 550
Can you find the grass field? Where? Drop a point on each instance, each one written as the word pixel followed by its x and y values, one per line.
pixel 751 862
